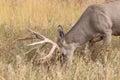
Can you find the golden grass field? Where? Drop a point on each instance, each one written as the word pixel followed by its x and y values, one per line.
pixel 44 16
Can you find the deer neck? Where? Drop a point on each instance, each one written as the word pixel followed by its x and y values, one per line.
pixel 80 33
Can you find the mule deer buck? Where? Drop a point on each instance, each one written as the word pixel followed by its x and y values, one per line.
pixel 102 19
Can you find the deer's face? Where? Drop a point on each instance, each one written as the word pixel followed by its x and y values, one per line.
pixel 66 50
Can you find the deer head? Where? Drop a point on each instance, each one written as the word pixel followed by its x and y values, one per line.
pixel 66 49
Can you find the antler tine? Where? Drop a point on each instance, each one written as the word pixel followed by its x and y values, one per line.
pixel 38 35
pixel 26 38
pixel 31 37
pixel 50 53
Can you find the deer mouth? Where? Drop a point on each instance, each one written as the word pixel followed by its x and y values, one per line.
pixel 63 58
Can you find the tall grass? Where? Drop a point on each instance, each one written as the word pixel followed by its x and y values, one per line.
pixel 42 13
pixel 44 16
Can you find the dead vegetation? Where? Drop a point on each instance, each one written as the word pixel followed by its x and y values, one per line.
pixel 44 16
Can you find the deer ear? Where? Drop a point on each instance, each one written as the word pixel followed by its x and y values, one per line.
pixel 60 33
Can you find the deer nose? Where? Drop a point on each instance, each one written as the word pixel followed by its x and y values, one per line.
pixel 63 57
pixel 63 54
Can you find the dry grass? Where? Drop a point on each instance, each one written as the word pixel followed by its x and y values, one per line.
pixel 44 16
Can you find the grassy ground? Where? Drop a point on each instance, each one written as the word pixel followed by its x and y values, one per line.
pixel 44 16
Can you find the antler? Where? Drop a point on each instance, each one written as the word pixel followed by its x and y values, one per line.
pixel 44 41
